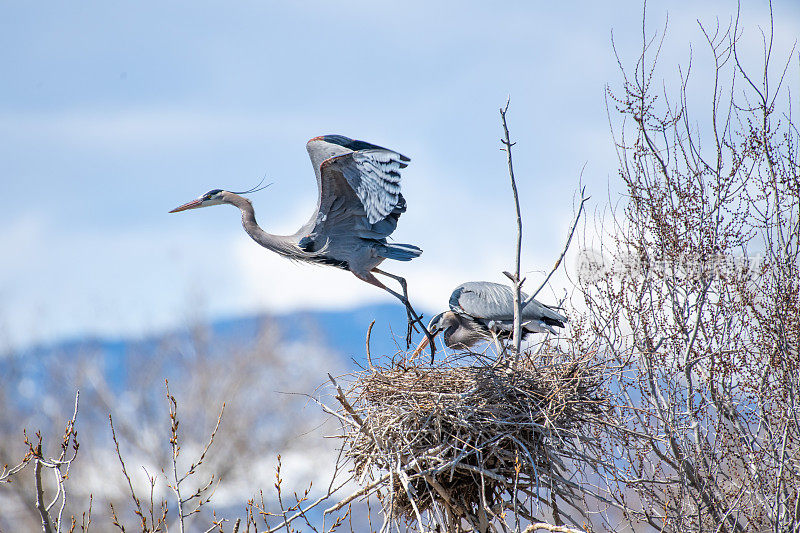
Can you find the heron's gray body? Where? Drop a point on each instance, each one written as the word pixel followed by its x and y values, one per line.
pixel 358 206
pixel 479 309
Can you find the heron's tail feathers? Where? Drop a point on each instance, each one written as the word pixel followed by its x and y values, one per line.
pixel 399 252
pixel 541 325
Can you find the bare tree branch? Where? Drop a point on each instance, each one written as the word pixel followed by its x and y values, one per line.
pixel 515 279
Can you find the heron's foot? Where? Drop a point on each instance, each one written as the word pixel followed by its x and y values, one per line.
pixel 412 328
pixel 412 324
pixel 412 316
pixel 414 319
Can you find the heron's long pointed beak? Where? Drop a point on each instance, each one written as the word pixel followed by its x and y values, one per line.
pixel 421 347
pixel 194 204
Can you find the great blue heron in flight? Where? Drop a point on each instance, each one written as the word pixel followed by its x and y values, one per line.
pixel 481 310
pixel 358 207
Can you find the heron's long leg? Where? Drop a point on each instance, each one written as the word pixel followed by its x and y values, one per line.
pixel 404 286
pixel 413 317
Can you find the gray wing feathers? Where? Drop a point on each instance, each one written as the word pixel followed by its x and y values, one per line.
pixel 482 300
pixel 319 151
pixel 373 172
pixel 538 311
pixel 374 176
pixel 359 194
pixel 493 301
pixel 382 228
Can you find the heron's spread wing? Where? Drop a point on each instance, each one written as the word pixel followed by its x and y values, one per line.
pixel 493 301
pixel 359 186
pixel 374 176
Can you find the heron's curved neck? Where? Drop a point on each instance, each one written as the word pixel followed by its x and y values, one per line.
pixel 280 244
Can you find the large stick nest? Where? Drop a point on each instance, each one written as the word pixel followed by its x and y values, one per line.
pixel 470 438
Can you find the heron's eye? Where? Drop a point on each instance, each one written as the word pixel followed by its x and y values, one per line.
pixel 211 194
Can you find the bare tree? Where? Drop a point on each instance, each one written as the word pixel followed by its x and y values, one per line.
pixel 695 294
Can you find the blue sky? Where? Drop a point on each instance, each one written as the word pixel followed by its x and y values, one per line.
pixel 112 114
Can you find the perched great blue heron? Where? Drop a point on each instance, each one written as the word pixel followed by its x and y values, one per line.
pixel 481 310
pixel 358 207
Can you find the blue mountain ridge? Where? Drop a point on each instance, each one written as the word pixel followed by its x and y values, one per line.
pixel 343 332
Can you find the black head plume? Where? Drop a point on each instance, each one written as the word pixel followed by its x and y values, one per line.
pixel 256 188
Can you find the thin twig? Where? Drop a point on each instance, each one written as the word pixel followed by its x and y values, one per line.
pixel 47 527
pixel 176 449
pixel 369 335
pixel 516 282
pixel 550 527
pixel 584 199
